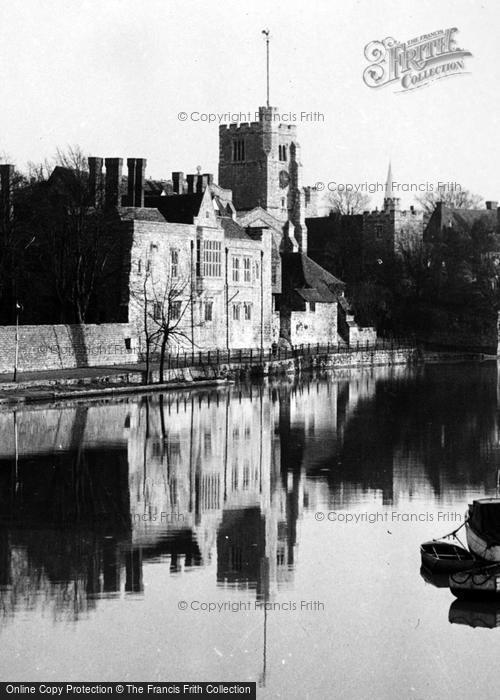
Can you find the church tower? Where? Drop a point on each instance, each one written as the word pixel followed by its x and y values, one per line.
pixel 256 161
pixel 260 163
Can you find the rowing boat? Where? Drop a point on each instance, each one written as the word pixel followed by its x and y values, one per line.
pixel 444 557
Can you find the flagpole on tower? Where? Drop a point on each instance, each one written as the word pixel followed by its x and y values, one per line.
pixel 267 33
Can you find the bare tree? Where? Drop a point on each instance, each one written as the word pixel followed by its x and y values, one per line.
pixel 74 253
pixel 150 332
pixel 347 202
pixel 72 158
pixel 166 307
pixel 456 198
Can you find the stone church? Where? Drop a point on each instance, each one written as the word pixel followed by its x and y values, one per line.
pixel 222 265
pixel 350 244
pixel 235 253
pixel 260 163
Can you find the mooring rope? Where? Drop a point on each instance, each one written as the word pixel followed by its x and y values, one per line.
pixel 452 534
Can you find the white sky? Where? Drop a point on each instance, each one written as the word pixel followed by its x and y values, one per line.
pixel 112 75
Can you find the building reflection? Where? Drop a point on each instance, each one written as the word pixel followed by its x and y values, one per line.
pixel 90 494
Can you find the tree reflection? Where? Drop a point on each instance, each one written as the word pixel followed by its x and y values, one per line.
pixel 91 494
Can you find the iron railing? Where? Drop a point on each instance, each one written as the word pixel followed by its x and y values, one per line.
pixel 256 356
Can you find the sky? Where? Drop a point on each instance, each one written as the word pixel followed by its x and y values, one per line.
pixel 113 75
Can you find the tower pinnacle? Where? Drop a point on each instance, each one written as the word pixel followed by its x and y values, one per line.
pixel 390 199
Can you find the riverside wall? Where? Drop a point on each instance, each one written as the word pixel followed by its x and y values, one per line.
pixel 54 347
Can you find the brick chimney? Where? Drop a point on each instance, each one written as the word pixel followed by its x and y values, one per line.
pixel 96 181
pixel 6 192
pixel 114 167
pixel 178 182
pixel 136 171
pixel 491 205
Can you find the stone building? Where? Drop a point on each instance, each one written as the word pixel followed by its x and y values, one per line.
pixel 309 302
pixel 189 260
pixel 444 219
pixel 388 232
pixel 346 244
pixel 204 265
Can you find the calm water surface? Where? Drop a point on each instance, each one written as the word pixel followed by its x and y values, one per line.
pixel 116 516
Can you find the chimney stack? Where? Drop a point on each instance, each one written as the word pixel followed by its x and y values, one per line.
pixel 114 167
pixel 6 192
pixel 96 181
pixel 136 171
pixel 491 205
pixel 207 180
pixel 192 181
pixel 178 182
pixel 198 183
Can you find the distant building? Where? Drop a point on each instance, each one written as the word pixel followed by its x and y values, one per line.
pixel 444 219
pixel 346 244
pixel 388 232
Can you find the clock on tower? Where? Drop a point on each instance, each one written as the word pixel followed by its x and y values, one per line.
pixel 284 179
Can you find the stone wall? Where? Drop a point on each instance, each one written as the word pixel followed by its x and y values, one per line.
pixel 63 347
pixel 318 326
pixel 363 335
pixel 351 359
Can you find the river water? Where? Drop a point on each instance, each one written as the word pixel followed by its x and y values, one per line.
pixel 265 532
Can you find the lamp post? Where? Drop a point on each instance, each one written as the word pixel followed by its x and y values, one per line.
pixel 16 355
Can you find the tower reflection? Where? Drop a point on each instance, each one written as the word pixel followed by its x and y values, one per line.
pixel 92 493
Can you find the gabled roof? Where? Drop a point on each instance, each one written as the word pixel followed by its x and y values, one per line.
pixel 258 214
pixel 464 219
pixel 233 229
pixel 157 187
pixel 178 208
pixel 309 280
pixel 65 179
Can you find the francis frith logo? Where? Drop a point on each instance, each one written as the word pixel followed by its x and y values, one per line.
pixel 416 62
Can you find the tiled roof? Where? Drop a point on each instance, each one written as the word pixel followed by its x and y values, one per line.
pixel 140 214
pixel 309 280
pixel 466 218
pixel 233 229
pixel 156 187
